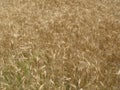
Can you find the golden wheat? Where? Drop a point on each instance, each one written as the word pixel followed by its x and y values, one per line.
pixel 59 44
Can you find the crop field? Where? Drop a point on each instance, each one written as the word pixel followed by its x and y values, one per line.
pixel 59 44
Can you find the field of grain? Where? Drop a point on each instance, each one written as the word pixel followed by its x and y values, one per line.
pixel 59 44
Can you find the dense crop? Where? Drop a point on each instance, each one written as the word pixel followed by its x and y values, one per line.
pixel 59 44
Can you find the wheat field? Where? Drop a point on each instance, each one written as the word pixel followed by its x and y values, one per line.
pixel 59 44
